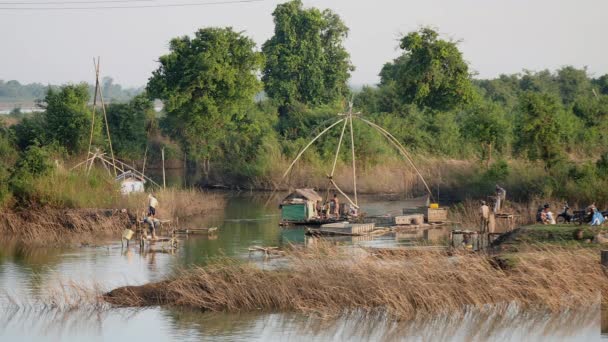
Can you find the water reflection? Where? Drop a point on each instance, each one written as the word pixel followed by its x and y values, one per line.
pixel 486 324
pixel 26 272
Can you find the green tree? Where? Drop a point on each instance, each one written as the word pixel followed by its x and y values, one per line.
pixel 486 126
pixel 539 131
pixel 31 130
pixel 601 83
pixel 573 83
pixel 8 157
pixel 205 82
pixel 68 120
pixel 305 59
pixel 433 73
pixel 128 125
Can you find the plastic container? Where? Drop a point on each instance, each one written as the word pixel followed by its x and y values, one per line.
pixel 434 206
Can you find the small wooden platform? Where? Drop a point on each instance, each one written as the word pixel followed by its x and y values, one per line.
pixel 343 228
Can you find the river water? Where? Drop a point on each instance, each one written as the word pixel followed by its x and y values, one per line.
pixel 28 274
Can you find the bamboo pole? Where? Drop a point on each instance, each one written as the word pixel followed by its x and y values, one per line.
pixel 352 145
pixel 105 116
pixel 162 153
pixel 96 67
pixel 307 146
pixel 143 168
pixel 343 194
pixel 338 149
pixel 400 148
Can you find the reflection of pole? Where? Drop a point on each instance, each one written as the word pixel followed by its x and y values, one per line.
pixel 162 153
pixel 352 145
pixel 307 146
pixel 400 148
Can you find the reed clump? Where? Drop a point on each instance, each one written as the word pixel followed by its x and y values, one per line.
pixel 327 282
pixel 175 203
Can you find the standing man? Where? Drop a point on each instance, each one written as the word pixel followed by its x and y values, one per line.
pixel 152 204
pixel 334 205
pixel 501 195
pixel 484 212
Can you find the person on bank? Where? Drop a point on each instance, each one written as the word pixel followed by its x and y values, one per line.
pixel 151 219
pixel 484 213
pixel 546 216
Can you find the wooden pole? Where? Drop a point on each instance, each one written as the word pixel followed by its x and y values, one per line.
pixel 352 145
pixel 105 117
pixel 162 153
pixel 338 149
pixel 401 149
pixel 143 168
pixel 96 66
pixel 307 146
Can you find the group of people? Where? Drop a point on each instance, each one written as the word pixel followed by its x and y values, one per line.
pixel 329 209
pixel 545 216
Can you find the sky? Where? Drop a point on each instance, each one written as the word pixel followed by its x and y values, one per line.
pixel 496 36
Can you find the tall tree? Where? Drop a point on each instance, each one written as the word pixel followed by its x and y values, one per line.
pixel 573 83
pixel 432 73
pixel 205 82
pixel 486 126
pixel 539 131
pixel 128 125
pixel 306 61
pixel 67 117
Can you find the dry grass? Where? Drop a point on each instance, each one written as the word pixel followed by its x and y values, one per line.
pixel 467 212
pixel 175 203
pixel 326 282
pixel 392 176
pixel 56 226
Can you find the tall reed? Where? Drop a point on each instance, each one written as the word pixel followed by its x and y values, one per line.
pixel 326 282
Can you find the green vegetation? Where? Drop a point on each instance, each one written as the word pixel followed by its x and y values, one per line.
pixel 207 84
pixel 305 60
pixel 539 134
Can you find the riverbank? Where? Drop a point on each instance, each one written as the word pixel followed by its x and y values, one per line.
pixel 48 224
pixel 328 281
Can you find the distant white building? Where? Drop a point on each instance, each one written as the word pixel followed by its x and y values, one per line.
pixel 130 182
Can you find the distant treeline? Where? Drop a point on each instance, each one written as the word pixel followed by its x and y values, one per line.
pixel 15 92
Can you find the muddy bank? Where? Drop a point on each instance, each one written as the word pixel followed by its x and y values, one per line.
pixel 50 225
pixel 430 284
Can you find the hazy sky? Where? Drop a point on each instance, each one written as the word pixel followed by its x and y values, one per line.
pixel 498 36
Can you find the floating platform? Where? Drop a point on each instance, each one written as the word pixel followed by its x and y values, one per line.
pixel 191 231
pixel 343 228
pixel 310 223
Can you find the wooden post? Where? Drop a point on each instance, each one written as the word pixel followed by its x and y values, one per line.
pixel 162 153
pixel 604 257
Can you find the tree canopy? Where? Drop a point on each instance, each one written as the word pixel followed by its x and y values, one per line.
pixel 205 83
pixel 306 61
pixel 68 118
pixel 431 72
